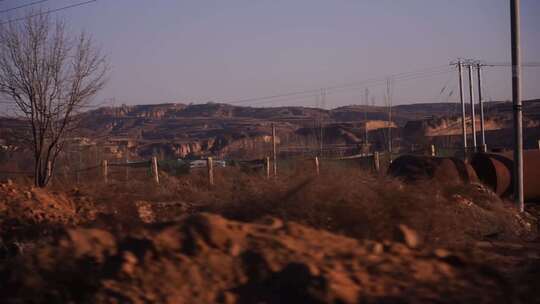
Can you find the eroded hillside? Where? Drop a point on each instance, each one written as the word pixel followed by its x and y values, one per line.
pixel 180 130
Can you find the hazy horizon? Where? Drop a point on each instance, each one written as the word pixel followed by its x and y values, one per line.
pixel 200 51
pixel 456 112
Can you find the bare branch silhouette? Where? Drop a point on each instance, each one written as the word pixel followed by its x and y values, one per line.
pixel 50 77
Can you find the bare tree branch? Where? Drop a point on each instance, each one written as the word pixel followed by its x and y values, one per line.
pixel 50 77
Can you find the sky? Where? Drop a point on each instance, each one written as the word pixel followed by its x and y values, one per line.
pixel 237 51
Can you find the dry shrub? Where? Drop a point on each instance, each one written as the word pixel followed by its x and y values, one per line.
pixel 358 204
pixel 344 199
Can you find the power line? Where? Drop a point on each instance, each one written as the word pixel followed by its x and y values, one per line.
pixel 49 11
pixel 316 93
pixel 273 96
pixel 357 85
pixel 288 99
pixel 22 6
pixel 508 64
pixel 332 87
pixel 330 90
pixel 467 62
pixel 382 81
pixel 404 74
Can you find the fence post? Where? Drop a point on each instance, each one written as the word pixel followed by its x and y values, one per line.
pixel 317 165
pixel 274 152
pixel 433 151
pixel 127 164
pixel 539 144
pixel 267 167
pixel 155 170
pixel 105 170
pixel 49 169
pixel 483 147
pixel 79 166
pixel 210 166
pixel 376 161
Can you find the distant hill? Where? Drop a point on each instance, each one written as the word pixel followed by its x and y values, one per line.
pixel 184 129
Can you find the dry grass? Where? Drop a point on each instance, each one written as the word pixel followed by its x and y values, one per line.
pixel 343 199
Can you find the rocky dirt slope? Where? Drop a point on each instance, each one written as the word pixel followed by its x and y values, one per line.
pixel 208 259
pixel 29 216
pixel 74 247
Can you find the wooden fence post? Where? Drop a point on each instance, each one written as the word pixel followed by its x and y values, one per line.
pixel 105 170
pixel 274 152
pixel 376 162
pixel 49 169
pixel 483 147
pixel 210 166
pixel 127 164
pixel 433 151
pixel 79 166
pixel 267 167
pixel 155 171
pixel 317 165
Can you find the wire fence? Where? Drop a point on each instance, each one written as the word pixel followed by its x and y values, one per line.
pixel 115 170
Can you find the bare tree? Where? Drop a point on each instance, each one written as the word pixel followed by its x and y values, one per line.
pixel 50 76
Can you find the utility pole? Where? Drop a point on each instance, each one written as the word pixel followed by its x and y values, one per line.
pixel 471 97
pixel 366 100
pixel 321 126
pixel 516 99
pixel 463 123
pixel 274 156
pixel 389 105
pixel 483 146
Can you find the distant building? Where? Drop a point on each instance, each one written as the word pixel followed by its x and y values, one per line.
pixel 123 141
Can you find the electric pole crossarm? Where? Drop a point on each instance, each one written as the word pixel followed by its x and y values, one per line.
pixel 506 64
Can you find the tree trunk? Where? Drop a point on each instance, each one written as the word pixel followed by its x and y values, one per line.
pixel 41 174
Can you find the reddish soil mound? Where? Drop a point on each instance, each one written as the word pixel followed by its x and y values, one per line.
pixel 28 214
pixel 207 259
pixel 34 205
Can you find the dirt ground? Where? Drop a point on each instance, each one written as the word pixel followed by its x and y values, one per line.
pixel 362 239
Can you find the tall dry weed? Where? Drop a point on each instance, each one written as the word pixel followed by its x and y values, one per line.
pixel 343 199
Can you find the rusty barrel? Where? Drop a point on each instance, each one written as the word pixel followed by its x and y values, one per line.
pixel 496 171
pixel 413 168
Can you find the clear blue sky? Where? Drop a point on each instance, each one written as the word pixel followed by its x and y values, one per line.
pixel 201 50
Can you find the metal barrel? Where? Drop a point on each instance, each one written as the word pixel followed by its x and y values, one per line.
pixel 496 171
pixel 449 170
